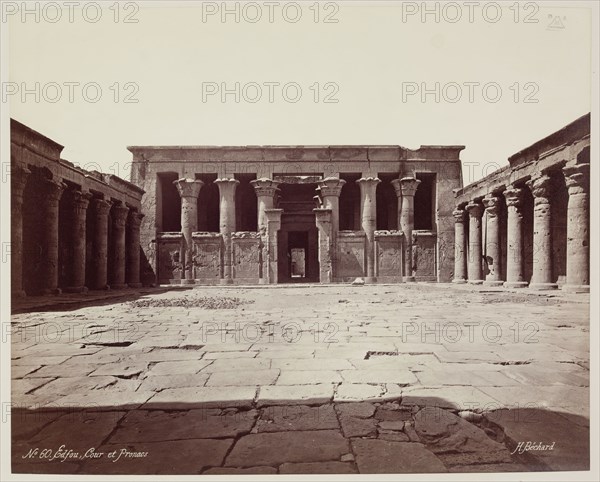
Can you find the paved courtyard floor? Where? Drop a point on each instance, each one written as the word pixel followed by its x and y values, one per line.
pixel 320 379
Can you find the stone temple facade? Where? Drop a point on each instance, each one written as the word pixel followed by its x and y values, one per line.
pixel 280 214
pixel 71 229
pixel 528 223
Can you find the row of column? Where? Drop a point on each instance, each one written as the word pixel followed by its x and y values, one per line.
pixel 329 190
pixel 468 261
pixel 125 237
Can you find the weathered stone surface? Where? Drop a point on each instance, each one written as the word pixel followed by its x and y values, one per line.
pixel 280 447
pixel 308 377
pixel 162 382
pixel 444 432
pixel 383 457
pixel 178 367
pixel 300 417
pixel 358 409
pixel 126 370
pixel 318 468
pixel 391 425
pixel 393 413
pixel 213 397
pixel 351 392
pixel 392 436
pixel 400 377
pixel 156 425
pixel 295 394
pixel 358 427
pixel 459 397
pixel 242 377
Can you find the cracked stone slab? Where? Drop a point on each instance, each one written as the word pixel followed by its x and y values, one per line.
pixel 178 367
pixel 359 409
pixel 156 425
pixel 120 370
pixel 308 377
pixel 242 364
pixel 177 457
pixel 242 377
pixel 307 364
pixel 186 380
pixel 358 427
pixel 282 418
pixel 105 400
pixel 454 397
pixel 295 395
pixel 384 457
pixel 358 392
pixel 213 397
pixel 277 448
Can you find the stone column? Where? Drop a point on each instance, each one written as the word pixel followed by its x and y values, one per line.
pixel 188 189
pixel 493 253
pixel 460 246
pixel 273 217
pixel 541 279
pixel 79 207
pixel 18 179
pixel 577 177
pixel 119 218
pixel 133 249
pixel 227 223
pixel 51 194
pixel 266 190
pixel 368 210
pixel 408 187
pixel 514 256
pixel 324 221
pixel 99 277
pixel 475 272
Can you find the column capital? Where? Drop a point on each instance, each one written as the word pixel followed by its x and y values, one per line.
pixel 331 186
pixel 540 187
pixel 475 209
pixel 368 181
pixel 119 214
pixel 188 187
pixel 101 206
pixel 459 215
pixel 53 190
pixel 514 196
pixel 492 204
pixel 226 181
pixel 80 200
pixel 265 187
pixel 407 185
pixel 134 220
pixel 577 177
pixel 18 179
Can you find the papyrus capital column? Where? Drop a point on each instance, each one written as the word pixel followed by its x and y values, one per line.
pixel 227 189
pixel 51 193
pixel 266 190
pixel 134 220
pixel 493 253
pixel 577 177
pixel 460 246
pixel 18 180
pixel 329 190
pixel 475 210
pixel 514 233
pixel 271 257
pixel 368 209
pixel 119 218
pixel 540 187
pixel 99 276
pixel 405 190
pixel 79 205
pixel 188 189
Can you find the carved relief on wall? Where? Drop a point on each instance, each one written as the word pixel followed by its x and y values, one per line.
pixel 246 255
pixel 169 261
pixel 389 254
pixel 350 256
pixel 424 255
pixel 207 256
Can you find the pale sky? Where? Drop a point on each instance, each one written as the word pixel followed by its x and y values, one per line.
pixel 370 57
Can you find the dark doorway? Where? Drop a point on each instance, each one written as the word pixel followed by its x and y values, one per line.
pixel 297 250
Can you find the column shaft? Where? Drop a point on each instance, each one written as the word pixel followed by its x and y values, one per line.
pixel 578 225
pixel 99 277
pixel 265 189
pixel 188 189
pixel 18 179
pixel 227 223
pixel 368 208
pixel 330 189
pixel 79 206
pixel 133 249
pixel 119 218
pixel 475 272
pixel 541 279
pixel 460 246
pixel 493 253
pixel 52 192
pixel 514 256
pixel 405 190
